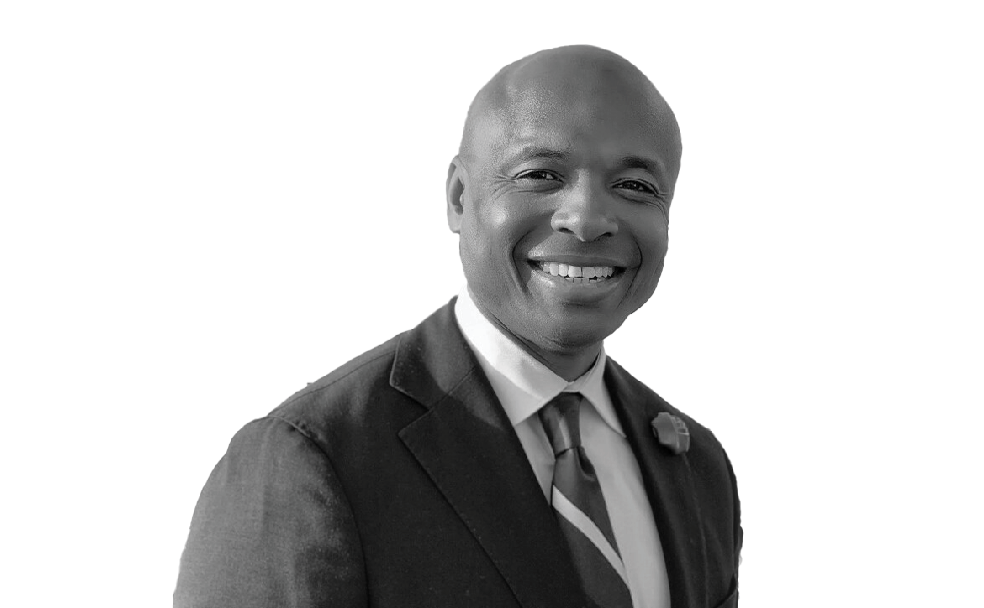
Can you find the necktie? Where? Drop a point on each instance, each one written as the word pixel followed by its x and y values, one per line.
pixel 576 497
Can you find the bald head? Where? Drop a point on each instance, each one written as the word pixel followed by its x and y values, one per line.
pixel 565 79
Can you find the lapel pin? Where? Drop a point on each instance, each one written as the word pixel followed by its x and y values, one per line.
pixel 671 432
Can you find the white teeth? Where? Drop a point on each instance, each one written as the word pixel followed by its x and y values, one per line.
pixel 578 274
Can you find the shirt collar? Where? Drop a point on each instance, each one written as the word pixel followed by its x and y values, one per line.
pixel 523 384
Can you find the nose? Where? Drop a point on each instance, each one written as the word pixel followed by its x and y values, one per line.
pixel 586 213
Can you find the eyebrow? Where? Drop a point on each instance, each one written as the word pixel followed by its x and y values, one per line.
pixel 630 161
pixel 639 162
pixel 534 152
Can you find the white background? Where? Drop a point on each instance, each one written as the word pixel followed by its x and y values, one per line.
pixel 206 205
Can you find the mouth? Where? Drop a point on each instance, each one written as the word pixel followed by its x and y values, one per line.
pixel 577 275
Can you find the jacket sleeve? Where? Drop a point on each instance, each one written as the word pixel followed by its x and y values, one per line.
pixel 272 528
pixel 739 533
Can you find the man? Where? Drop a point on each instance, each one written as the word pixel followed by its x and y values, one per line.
pixel 494 455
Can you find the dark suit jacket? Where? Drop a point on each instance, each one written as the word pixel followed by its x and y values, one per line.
pixel 397 480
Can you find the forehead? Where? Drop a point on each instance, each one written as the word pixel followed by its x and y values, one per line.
pixel 581 121
pixel 546 118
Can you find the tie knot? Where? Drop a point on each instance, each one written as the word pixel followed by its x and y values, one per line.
pixel 561 423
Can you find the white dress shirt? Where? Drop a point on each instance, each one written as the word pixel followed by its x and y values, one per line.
pixel 523 386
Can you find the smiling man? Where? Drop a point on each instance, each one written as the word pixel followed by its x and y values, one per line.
pixel 561 193
pixel 494 455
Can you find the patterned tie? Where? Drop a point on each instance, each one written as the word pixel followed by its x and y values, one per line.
pixel 580 506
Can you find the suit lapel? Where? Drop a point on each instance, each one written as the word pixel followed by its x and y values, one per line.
pixel 467 446
pixel 669 485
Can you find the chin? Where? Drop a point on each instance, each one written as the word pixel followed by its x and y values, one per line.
pixel 577 336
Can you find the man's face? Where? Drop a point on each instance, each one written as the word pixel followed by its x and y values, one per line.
pixel 562 212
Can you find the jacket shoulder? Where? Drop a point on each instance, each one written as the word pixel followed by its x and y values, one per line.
pixel 700 435
pixel 344 397
pixel 715 485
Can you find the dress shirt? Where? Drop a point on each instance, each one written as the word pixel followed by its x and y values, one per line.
pixel 523 386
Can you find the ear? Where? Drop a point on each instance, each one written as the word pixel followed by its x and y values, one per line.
pixel 456 194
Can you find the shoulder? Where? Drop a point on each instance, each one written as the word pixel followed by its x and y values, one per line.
pixel 348 398
pixel 364 374
pixel 701 437
pixel 355 413
pixel 713 474
pixel 709 469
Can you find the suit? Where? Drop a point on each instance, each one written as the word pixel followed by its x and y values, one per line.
pixel 397 480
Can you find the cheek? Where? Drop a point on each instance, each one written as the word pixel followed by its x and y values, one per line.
pixel 651 234
pixel 653 244
pixel 488 242
pixel 500 226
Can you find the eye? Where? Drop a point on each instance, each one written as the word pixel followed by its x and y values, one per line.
pixel 539 175
pixel 636 185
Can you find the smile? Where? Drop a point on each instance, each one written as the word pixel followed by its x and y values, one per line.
pixel 576 275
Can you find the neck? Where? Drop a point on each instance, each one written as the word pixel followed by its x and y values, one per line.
pixel 569 364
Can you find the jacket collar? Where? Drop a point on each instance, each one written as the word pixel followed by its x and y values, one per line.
pixel 522 383
pixel 669 485
pixel 467 445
